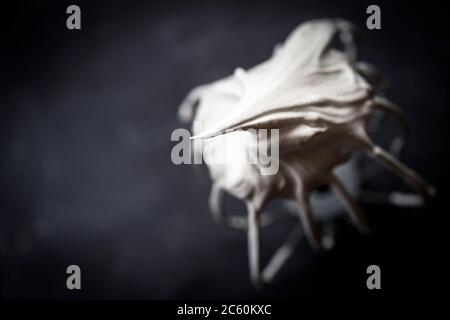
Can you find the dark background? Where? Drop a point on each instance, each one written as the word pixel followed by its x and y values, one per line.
pixel 85 170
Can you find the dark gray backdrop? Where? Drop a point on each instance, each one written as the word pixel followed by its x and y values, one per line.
pixel 85 171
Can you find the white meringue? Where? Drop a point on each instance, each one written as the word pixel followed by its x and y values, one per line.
pixel 320 99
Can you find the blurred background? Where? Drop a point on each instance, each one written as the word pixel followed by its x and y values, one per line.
pixel 85 170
